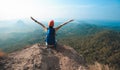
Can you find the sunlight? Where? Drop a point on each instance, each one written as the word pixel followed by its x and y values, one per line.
pixel 17 9
pixel 11 9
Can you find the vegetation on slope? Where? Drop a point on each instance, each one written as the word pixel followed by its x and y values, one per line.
pixel 95 43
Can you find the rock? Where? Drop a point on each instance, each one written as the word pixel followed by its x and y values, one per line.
pixel 38 58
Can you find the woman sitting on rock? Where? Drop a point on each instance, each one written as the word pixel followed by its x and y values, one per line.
pixel 51 32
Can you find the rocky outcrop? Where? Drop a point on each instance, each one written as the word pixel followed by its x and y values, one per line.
pixel 38 58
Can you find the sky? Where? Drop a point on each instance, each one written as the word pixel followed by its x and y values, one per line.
pixel 70 9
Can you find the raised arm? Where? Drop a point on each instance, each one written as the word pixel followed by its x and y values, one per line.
pixel 45 28
pixel 63 24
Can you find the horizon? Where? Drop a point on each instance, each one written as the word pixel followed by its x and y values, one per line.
pixel 51 9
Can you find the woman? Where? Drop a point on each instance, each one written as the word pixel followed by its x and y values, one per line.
pixel 50 37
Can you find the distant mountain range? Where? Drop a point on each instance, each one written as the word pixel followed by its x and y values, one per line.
pixel 96 41
pixel 18 26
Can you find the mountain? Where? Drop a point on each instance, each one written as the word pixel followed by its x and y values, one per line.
pixel 15 27
pixel 20 23
pixel 96 42
pixel 38 58
pixel 21 26
pixel 102 46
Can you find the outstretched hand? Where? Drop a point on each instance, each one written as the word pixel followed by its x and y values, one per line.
pixel 71 20
pixel 68 21
pixel 63 24
pixel 33 19
pixel 39 23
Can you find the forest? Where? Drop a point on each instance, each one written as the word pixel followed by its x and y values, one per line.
pixel 94 42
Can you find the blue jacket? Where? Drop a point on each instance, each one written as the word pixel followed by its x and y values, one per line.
pixel 50 38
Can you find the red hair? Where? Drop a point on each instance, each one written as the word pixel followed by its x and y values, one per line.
pixel 51 23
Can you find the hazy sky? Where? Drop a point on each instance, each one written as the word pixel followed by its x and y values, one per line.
pixel 76 9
